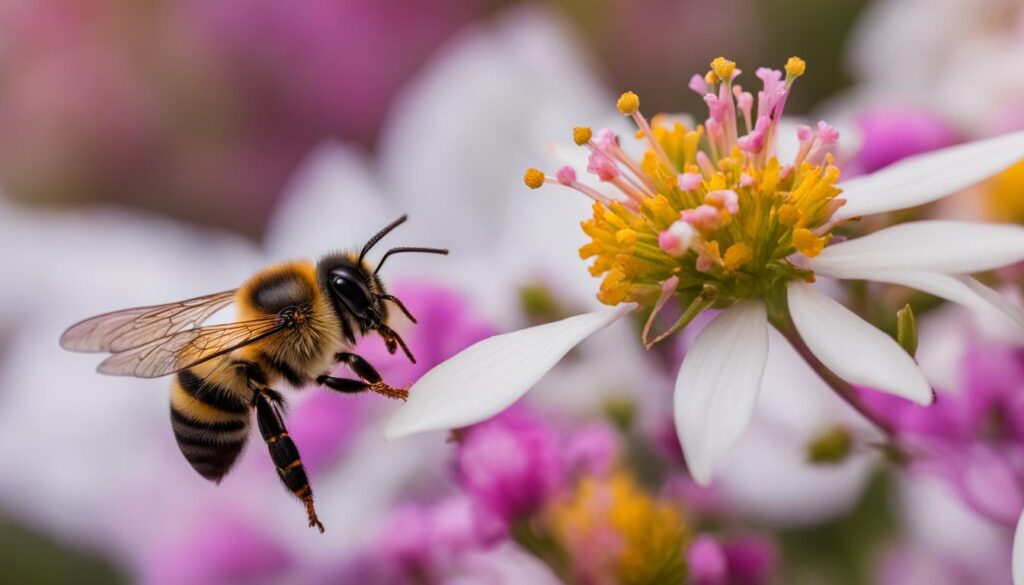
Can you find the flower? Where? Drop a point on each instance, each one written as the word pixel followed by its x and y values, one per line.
pixel 615 532
pixel 761 226
pixel 509 465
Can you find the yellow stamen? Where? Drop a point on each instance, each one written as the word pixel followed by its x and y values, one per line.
pixel 795 67
pixel 533 178
pixel 626 237
pixel 736 256
pixel 807 243
pixel 628 103
pixel 582 135
pixel 710 78
pixel 789 215
pixel 723 68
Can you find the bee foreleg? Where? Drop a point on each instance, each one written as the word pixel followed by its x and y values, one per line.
pixel 371 379
pixel 285 455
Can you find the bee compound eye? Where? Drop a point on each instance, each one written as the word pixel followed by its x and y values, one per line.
pixel 350 290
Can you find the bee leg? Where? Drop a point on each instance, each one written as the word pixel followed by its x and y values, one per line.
pixel 363 369
pixel 285 455
pixel 350 386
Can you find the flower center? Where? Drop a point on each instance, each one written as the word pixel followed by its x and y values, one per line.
pixel 707 212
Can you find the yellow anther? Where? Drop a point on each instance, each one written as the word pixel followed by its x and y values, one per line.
pixel 795 67
pixel 789 215
pixel 533 178
pixel 582 135
pixel 628 103
pixel 807 243
pixel 736 256
pixel 710 78
pixel 625 237
pixel 723 68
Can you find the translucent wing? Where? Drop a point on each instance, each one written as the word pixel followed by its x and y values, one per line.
pixel 121 330
pixel 187 348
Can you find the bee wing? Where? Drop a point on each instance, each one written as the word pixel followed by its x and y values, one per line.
pixel 188 348
pixel 121 330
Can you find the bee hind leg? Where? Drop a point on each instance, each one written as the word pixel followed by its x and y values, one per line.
pixel 284 454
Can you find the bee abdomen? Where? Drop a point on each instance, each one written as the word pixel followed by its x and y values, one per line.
pixel 210 425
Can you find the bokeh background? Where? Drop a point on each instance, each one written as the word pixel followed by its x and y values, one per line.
pixel 158 150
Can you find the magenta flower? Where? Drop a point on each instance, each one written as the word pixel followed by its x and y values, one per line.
pixel 973 440
pixel 892 133
pixel 510 465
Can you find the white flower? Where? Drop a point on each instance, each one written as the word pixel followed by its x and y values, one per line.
pixel 719 380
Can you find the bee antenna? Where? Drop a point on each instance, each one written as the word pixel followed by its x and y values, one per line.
pixel 403 249
pixel 377 236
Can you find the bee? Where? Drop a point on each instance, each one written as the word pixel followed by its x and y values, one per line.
pixel 296 321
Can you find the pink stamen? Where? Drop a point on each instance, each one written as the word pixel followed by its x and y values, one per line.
pixel 690 181
pixel 703 217
pixel 698 84
pixel 726 199
pixel 676 240
pixel 566 175
pixel 747 181
pixel 705 164
pixel 585 189
pixel 603 166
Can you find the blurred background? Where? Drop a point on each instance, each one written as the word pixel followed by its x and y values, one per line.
pixel 157 150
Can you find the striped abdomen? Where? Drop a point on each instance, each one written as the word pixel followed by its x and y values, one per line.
pixel 210 423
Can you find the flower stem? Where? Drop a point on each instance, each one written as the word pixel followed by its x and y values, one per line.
pixel 779 317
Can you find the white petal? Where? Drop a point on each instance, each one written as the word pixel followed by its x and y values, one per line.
pixel 960 289
pixel 718 385
pixel 490 375
pixel 951 247
pixel 853 349
pixel 927 177
pixel 1018 553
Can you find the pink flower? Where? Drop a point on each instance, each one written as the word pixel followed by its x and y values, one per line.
pixel 509 465
pixel 894 133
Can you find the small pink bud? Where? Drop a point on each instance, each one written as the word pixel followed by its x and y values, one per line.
pixel 690 181
pixel 566 175
pixel 747 181
pixel 676 240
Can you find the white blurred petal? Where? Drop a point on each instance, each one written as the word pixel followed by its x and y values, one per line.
pixel 964 290
pixel 331 202
pixel 853 349
pixel 951 247
pixel 718 385
pixel 492 374
pixel 1018 553
pixel 927 177
pixel 463 132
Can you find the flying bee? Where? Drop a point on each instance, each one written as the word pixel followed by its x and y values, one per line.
pixel 296 321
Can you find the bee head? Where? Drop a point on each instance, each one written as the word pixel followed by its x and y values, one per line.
pixel 359 293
